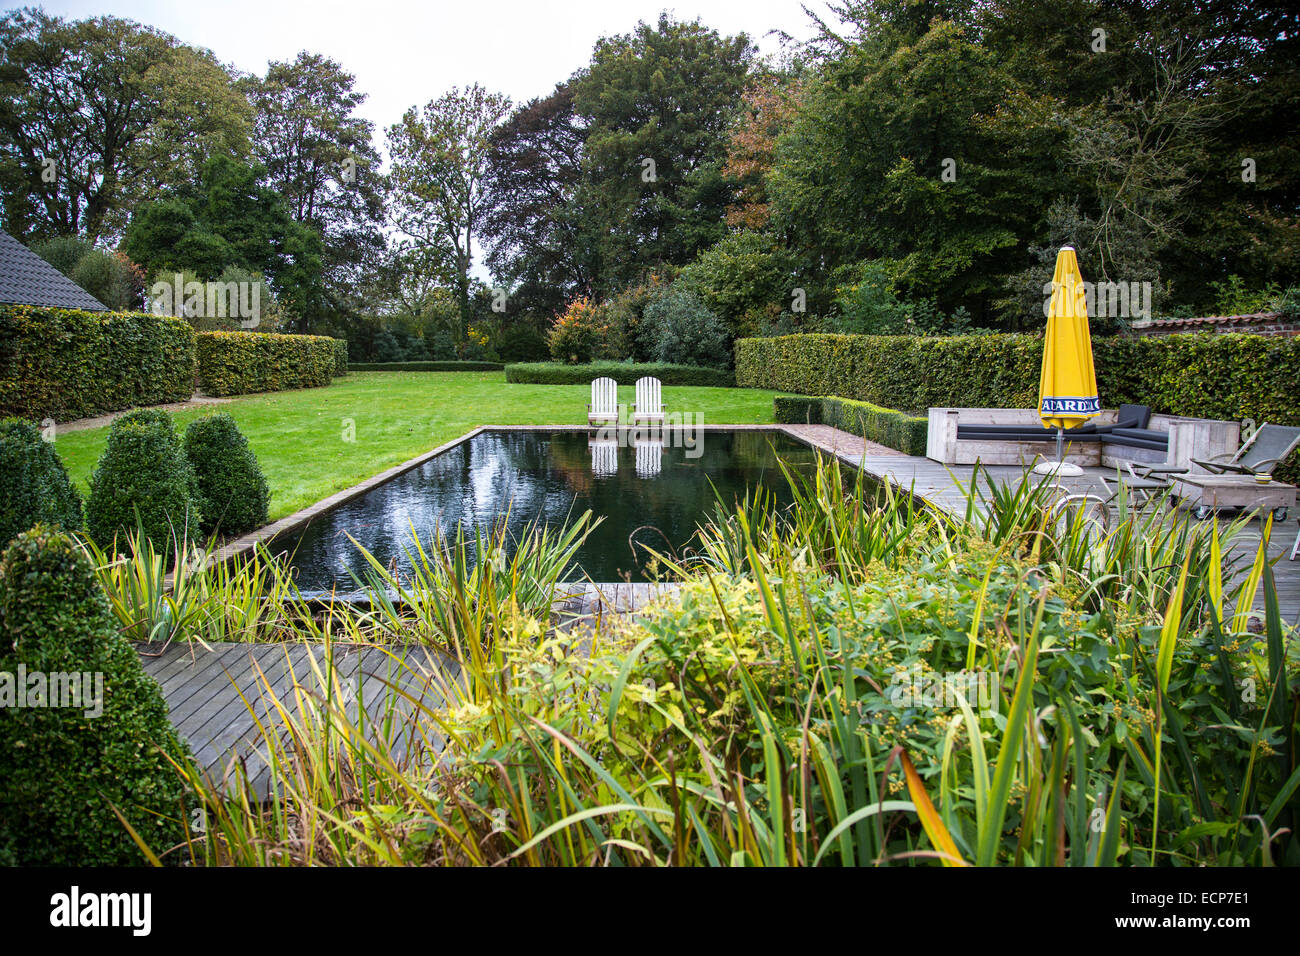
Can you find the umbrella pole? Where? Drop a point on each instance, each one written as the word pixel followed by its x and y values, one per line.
pixel 1058 468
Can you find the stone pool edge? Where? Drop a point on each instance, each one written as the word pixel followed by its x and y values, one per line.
pixel 303 516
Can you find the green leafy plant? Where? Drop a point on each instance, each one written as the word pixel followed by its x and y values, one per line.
pixel 182 592
pixel 74 777
pixel 232 494
pixel 236 363
pixel 583 332
pixel 65 364
pixel 143 481
pixel 893 429
pixel 34 485
pixel 681 329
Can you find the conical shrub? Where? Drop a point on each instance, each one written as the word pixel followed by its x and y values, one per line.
pixel 34 485
pixel 68 757
pixel 143 479
pixel 232 491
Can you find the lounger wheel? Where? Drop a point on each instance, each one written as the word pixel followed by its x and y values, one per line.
pixel 1279 514
pixel 1080 507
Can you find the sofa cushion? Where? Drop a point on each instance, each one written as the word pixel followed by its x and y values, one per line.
pixel 1023 433
pixel 1139 438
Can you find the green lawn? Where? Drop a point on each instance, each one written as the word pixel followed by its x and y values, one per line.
pixel 298 436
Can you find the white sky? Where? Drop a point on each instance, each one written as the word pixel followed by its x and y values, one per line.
pixel 404 53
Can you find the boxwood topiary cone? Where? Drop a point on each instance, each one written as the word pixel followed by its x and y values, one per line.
pixel 61 766
pixel 143 471
pixel 145 416
pixel 232 491
pixel 34 485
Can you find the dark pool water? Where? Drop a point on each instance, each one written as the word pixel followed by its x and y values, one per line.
pixel 654 492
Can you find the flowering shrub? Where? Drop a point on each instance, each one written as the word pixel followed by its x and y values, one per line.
pixel 584 332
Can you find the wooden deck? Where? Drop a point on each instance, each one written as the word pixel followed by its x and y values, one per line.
pixel 216 698
pixel 938 486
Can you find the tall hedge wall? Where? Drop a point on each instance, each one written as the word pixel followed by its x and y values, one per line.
pixel 1229 377
pixel 235 363
pixel 65 363
pixel 447 366
pixel 624 373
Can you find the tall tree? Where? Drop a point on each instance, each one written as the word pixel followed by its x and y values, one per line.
pixel 902 152
pixel 532 223
pixel 770 105
pixel 91 113
pixel 319 156
pixel 658 103
pixel 229 218
pixel 440 157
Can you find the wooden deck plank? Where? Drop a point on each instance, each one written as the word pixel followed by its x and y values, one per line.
pixel 178 664
pixel 938 485
pixel 217 741
pixel 275 672
pixel 231 670
pixel 205 705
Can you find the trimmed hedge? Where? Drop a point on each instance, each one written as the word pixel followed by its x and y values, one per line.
pixel 797 410
pixel 66 364
pixel 1229 377
pixel 624 373
pixel 143 469
pixel 34 485
pixel 897 371
pixel 236 363
pixel 340 357
pixel 426 366
pixel 885 426
pixel 231 490
pixel 64 769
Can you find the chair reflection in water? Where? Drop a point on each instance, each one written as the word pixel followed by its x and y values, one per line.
pixel 604 456
pixel 649 457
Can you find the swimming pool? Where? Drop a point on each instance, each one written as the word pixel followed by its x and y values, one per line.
pixel 651 487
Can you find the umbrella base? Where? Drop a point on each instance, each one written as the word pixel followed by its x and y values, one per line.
pixel 1064 469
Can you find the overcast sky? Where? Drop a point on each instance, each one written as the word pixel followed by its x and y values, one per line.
pixel 404 53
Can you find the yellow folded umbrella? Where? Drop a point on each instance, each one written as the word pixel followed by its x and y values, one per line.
pixel 1067 387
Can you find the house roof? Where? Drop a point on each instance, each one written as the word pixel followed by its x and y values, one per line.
pixel 1249 318
pixel 27 279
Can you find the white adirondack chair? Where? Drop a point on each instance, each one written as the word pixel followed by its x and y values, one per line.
pixel 649 405
pixel 649 458
pixel 604 458
pixel 603 409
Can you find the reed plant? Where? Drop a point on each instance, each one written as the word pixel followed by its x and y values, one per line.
pixel 790 704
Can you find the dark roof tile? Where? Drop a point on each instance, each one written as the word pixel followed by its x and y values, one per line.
pixel 27 279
